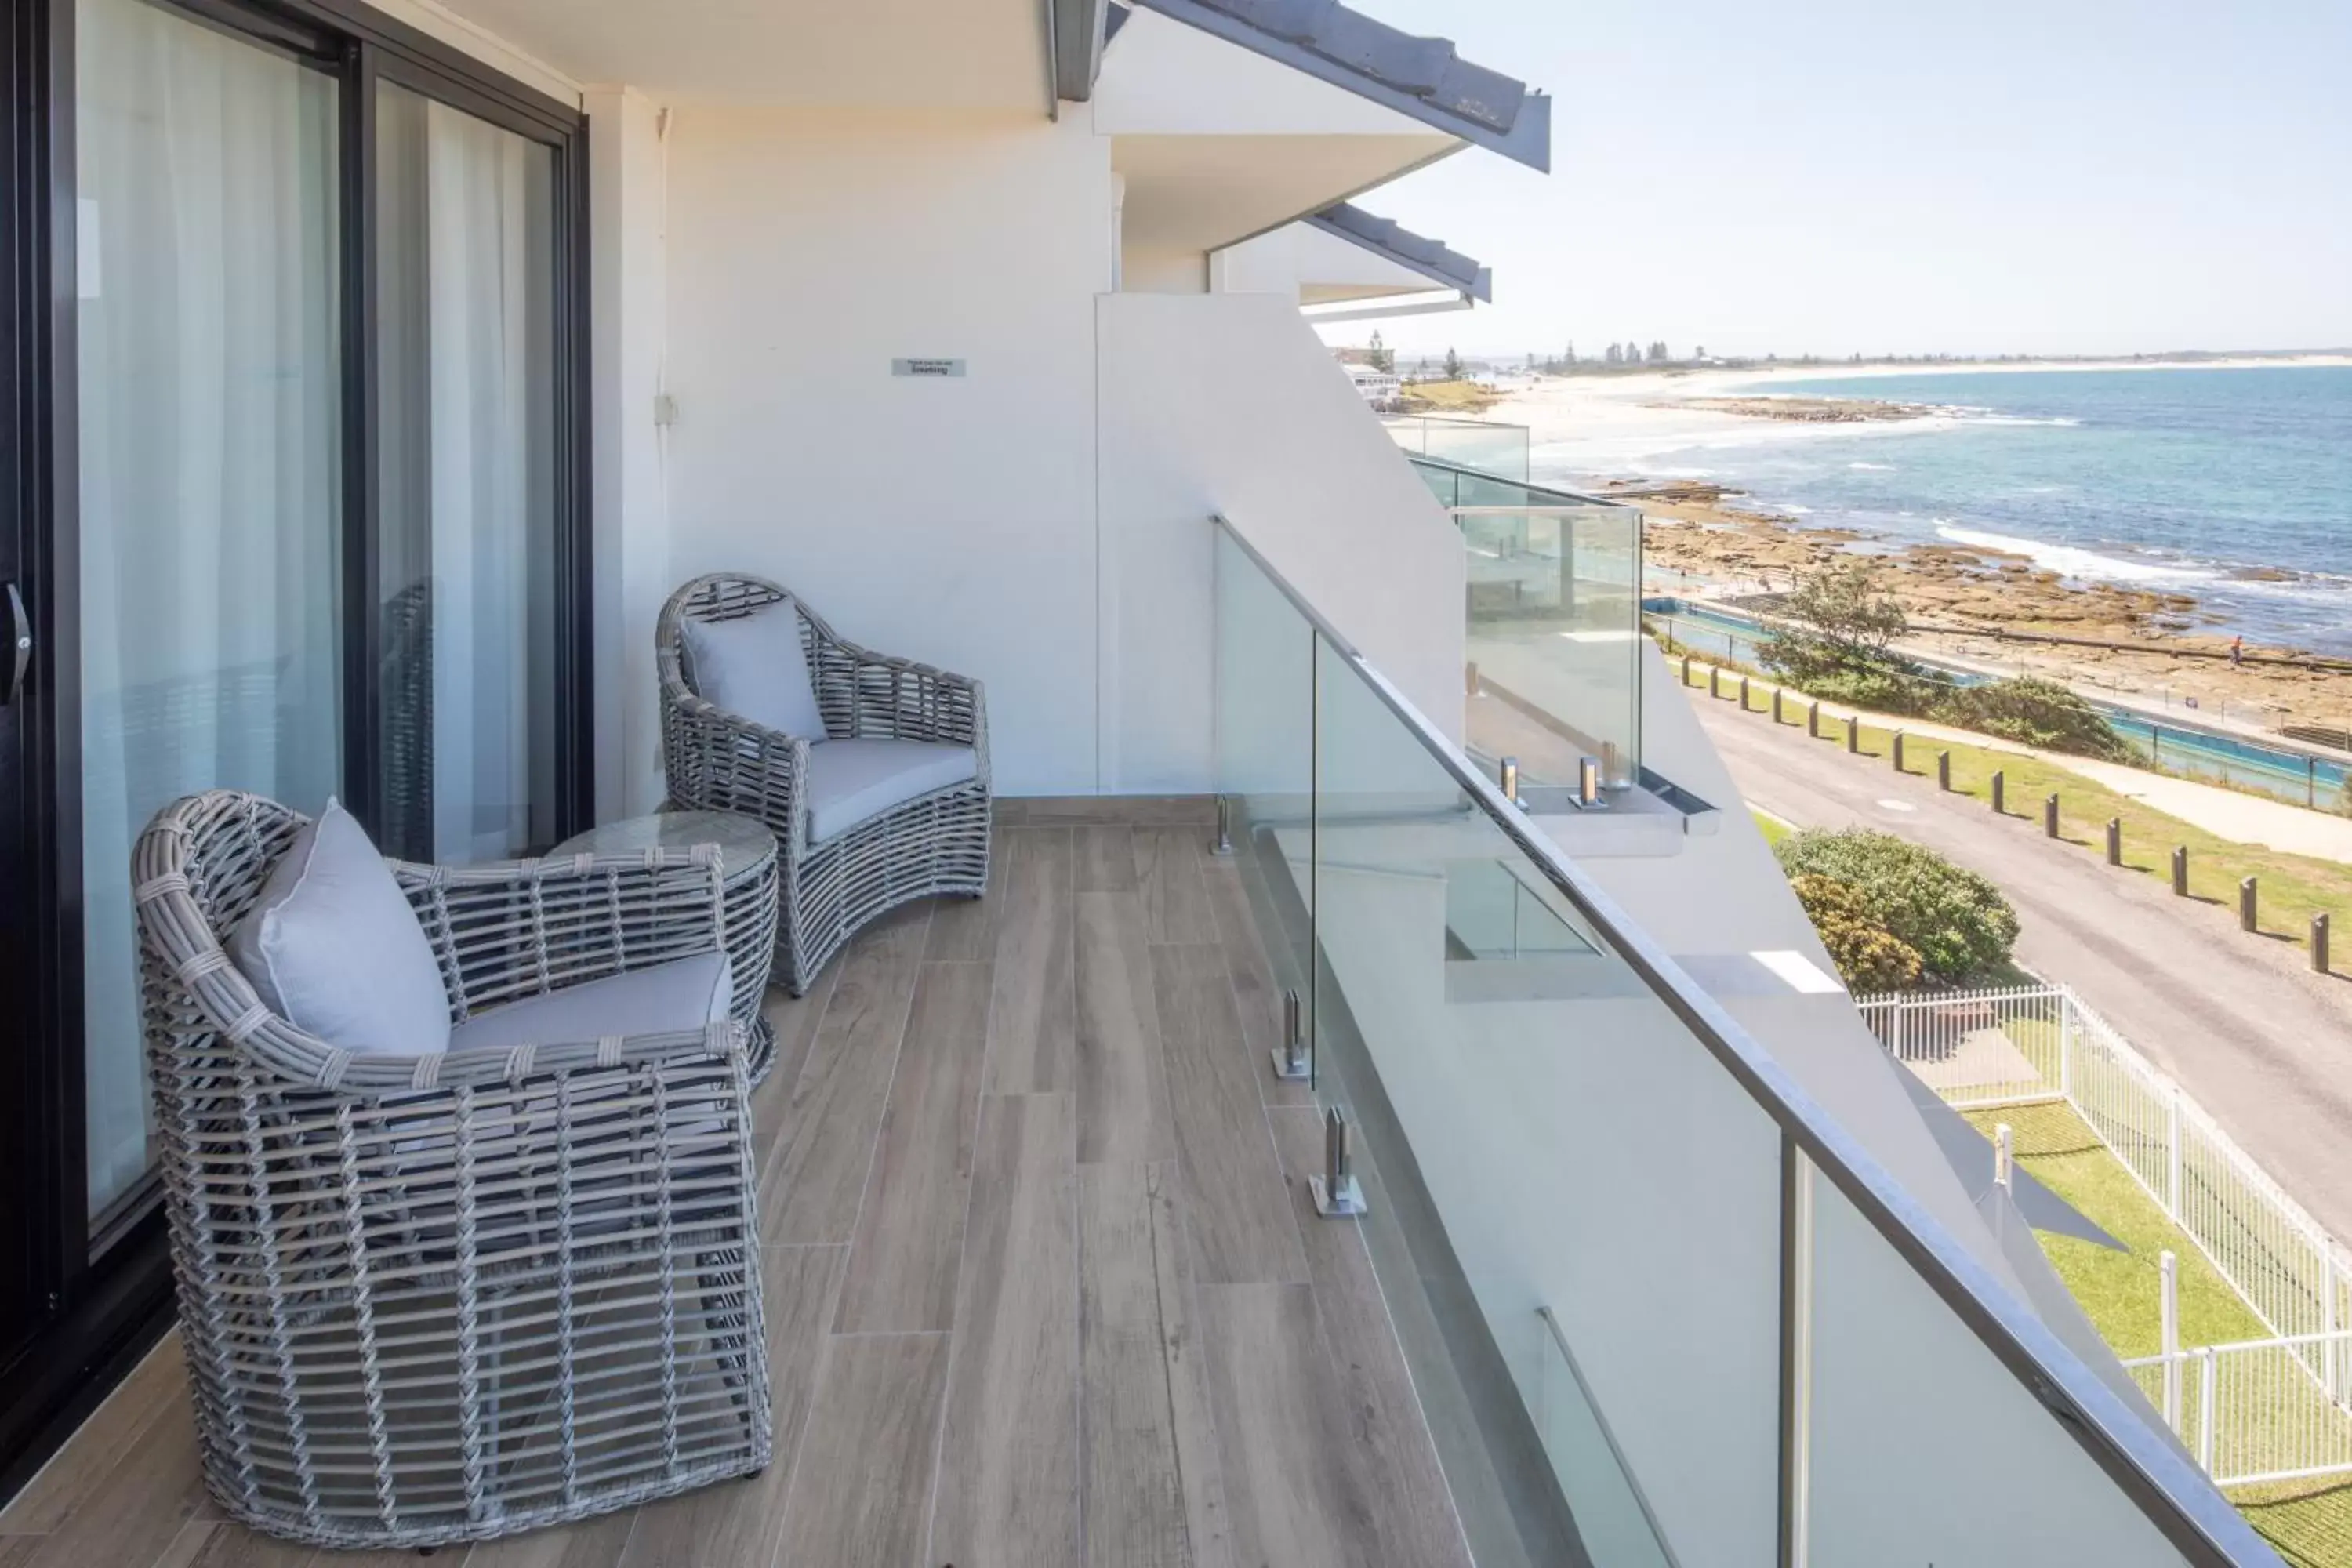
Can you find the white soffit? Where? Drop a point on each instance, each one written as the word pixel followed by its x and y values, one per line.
pixel 1204 192
pixel 932 54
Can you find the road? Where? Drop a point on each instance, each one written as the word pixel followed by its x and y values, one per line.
pixel 2261 1042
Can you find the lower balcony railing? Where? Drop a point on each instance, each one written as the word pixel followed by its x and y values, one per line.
pixel 1658 1305
pixel 1552 632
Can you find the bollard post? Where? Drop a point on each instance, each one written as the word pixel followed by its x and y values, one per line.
pixel 1898 751
pixel 1686 669
pixel 1777 695
pixel 2249 910
pixel 1508 778
pixel 2181 870
pixel 1743 694
pixel 2050 817
pixel 2114 841
pixel 1943 772
pixel 2000 793
pixel 1853 733
pixel 1714 680
pixel 1814 720
pixel 2319 943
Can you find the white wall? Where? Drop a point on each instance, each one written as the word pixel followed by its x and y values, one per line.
pixel 627 278
pixel 951 520
pixel 1229 404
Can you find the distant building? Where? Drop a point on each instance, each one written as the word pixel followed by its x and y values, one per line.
pixel 1380 389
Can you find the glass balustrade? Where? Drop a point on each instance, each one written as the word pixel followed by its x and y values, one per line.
pixel 1553 632
pixel 1485 445
pixel 1658 1307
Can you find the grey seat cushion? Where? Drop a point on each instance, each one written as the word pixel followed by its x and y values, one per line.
pixel 850 781
pixel 333 948
pixel 683 995
pixel 754 668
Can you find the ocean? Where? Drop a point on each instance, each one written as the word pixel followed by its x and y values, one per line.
pixel 2199 481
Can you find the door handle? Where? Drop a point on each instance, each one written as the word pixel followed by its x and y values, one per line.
pixel 20 638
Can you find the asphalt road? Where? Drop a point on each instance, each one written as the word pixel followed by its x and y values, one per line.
pixel 2261 1042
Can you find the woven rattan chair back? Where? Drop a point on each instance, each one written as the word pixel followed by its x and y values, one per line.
pixel 935 845
pixel 451 1296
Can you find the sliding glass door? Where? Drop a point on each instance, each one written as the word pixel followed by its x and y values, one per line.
pixel 210 484
pixel 465 314
pixel 293 499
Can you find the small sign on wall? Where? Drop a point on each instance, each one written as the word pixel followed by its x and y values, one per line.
pixel 933 367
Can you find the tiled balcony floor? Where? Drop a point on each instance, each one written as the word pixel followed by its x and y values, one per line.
pixel 1043 1284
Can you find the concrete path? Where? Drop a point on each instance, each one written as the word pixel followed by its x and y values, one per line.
pixel 2224 812
pixel 2263 1044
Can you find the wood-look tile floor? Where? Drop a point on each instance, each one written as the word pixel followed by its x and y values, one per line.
pixel 1043 1285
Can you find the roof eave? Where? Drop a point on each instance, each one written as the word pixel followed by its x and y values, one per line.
pixel 1528 141
pixel 1345 221
pixel 1077 30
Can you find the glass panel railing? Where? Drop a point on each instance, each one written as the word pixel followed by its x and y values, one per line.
pixel 1973 1469
pixel 1489 446
pixel 1642 1328
pixel 1553 636
pixel 1648 1225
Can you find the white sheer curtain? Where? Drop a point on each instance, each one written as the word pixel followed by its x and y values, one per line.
pixel 467 428
pixel 209 471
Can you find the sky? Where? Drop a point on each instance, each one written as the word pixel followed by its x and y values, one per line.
pixel 1830 176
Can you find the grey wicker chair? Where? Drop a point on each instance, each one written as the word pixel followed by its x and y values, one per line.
pixel 937 843
pixel 447 1297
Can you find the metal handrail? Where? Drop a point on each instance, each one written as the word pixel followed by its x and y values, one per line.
pixel 2161 1481
pixel 1609 1437
pixel 1568 497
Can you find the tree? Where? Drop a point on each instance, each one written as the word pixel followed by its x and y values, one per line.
pixel 1837 619
pixel 1658 351
pixel 1614 356
pixel 1957 923
pixel 1383 359
pixel 1699 353
pixel 1452 366
pixel 1570 357
pixel 1868 956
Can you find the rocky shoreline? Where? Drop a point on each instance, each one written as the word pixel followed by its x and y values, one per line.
pixel 1955 595
pixel 1806 410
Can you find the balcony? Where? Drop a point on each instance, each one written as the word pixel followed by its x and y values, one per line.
pixel 1050 1277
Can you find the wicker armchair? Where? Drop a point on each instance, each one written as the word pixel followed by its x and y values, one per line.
pixel 937 843
pixel 448 1297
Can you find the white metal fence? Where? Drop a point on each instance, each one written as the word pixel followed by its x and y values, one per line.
pixel 2257 1411
pixel 2031 1045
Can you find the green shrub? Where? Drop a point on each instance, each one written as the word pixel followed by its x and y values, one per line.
pixel 1879 689
pixel 1956 921
pixel 1868 956
pixel 2036 713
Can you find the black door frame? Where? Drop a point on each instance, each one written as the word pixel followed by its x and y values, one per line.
pixel 98 1309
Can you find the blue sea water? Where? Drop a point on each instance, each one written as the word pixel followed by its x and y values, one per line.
pixel 2174 480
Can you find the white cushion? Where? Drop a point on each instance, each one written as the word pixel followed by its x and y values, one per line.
pixel 754 666
pixel 686 993
pixel 335 949
pixel 850 781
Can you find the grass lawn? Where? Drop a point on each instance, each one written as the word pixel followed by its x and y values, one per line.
pixel 2307 1522
pixel 2293 888
pixel 1449 397
pixel 1772 828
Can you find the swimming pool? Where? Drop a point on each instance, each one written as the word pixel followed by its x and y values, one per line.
pixel 2296 776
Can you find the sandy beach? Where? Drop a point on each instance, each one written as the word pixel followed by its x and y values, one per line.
pixel 1606 429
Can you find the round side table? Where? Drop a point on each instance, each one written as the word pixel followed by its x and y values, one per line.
pixel 747 870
